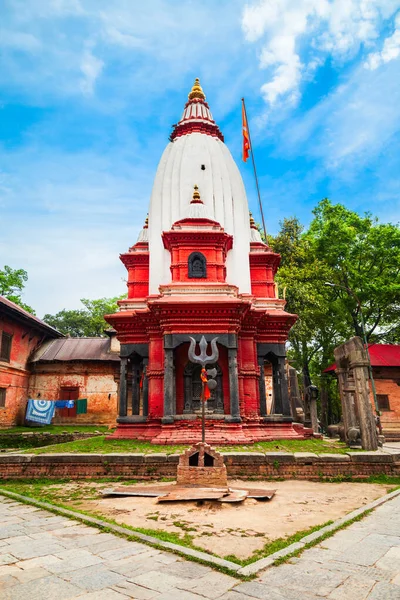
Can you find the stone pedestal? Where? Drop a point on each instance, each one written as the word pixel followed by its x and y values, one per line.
pixel 201 465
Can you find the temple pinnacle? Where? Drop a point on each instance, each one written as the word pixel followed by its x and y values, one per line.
pixel 196 196
pixel 197 91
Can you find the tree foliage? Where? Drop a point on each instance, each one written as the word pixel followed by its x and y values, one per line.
pixel 357 254
pixel 84 322
pixel 12 283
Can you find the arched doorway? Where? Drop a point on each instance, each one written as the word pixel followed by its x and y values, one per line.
pixel 193 387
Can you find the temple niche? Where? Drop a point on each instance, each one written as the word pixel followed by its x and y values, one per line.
pixel 200 268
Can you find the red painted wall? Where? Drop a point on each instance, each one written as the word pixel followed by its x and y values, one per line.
pixel 14 375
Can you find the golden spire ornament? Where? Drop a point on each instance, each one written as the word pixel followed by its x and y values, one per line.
pixel 196 196
pixel 197 91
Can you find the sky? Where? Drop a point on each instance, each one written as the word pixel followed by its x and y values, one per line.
pixel 89 90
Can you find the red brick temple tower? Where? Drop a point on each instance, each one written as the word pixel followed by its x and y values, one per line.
pixel 200 268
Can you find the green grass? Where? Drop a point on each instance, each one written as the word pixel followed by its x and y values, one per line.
pixel 56 429
pixel 100 445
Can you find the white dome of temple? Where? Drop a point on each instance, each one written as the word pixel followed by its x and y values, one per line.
pixel 198 156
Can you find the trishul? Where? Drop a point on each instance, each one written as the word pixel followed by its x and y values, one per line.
pixel 203 358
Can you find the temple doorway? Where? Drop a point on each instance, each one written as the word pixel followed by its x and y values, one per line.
pixel 193 387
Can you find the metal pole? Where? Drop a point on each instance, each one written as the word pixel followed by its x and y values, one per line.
pixel 203 412
pixel 255 171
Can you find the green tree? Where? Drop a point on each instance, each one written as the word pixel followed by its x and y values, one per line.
pixel 12 283
pixel 363 256
pixel 84 322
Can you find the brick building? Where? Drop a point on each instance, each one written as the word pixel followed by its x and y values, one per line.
pixel 72 368
pixel 37 361
pixel 20 335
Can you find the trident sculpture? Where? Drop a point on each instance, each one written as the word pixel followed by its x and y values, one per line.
pixel 204 359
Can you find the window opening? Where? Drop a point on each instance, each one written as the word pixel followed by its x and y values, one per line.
pixel 194 460
pixel 5 346
pixel 3 397
pixel 383 401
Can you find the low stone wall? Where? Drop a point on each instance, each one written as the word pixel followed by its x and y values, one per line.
pixel 300 465
pixel 40 438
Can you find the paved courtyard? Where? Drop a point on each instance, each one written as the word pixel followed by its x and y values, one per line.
pixel 49 557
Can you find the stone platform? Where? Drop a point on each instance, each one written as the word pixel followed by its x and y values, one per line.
pixel 218 432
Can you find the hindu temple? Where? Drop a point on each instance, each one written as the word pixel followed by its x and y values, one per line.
pixel 200 267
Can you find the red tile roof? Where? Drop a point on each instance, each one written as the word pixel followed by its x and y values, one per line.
pixel 382 355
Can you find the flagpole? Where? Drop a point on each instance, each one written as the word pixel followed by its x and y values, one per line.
pixel 255 171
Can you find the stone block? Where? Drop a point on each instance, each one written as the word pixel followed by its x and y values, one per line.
pixel 16 458
pixel 370 457
pixel 155 458
pixel 67 458
pixel 173 458
pixel 280 457
pixel 118 458
pixel 306 457
pixel 334 457
pixel 244 458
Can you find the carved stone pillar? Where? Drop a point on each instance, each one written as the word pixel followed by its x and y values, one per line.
pixel 233 385
pixel 263 393
pixel 123 389
pixel 145 388
pixel 169 386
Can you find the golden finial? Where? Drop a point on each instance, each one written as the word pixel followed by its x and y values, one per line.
pixel 146 223
pixel 196 195
pixel 252 222
pixel 197 91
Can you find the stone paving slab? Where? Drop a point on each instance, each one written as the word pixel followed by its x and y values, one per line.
pixel 51 557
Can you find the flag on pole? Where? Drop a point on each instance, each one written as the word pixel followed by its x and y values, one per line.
pixel 245 130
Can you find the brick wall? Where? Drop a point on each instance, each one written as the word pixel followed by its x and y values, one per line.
pixel 357 465
pixel 95 380
pixel 387 381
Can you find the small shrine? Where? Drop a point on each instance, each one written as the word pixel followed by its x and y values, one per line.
pixel 200 268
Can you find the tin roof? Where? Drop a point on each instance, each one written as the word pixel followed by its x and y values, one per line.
pixel 382 355
pixel 14 311
pixel 75 349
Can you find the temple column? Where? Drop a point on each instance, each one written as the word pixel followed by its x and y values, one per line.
pixel 263 393
pixel 135 389
pixel 169 386
pixel 123 389
pixel 233 386
pixel 281 392
pixel 145 388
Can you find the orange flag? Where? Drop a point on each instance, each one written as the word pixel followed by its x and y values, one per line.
pixel 245 131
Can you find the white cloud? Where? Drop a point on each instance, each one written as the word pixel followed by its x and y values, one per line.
pixel 91 68
pixel 352 125
pixel 19 40
pixel 295 35
pixel 390 50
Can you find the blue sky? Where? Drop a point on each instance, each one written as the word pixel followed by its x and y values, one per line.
pixel 90 89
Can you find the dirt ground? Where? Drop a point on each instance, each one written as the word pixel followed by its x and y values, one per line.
pixel 242 528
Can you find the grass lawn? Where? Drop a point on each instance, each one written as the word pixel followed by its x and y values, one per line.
pixel 99 445
pixel 56 429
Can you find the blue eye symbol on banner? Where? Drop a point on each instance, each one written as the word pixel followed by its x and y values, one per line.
pixel 40 411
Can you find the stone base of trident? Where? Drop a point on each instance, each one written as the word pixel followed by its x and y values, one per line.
pixel 202 465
